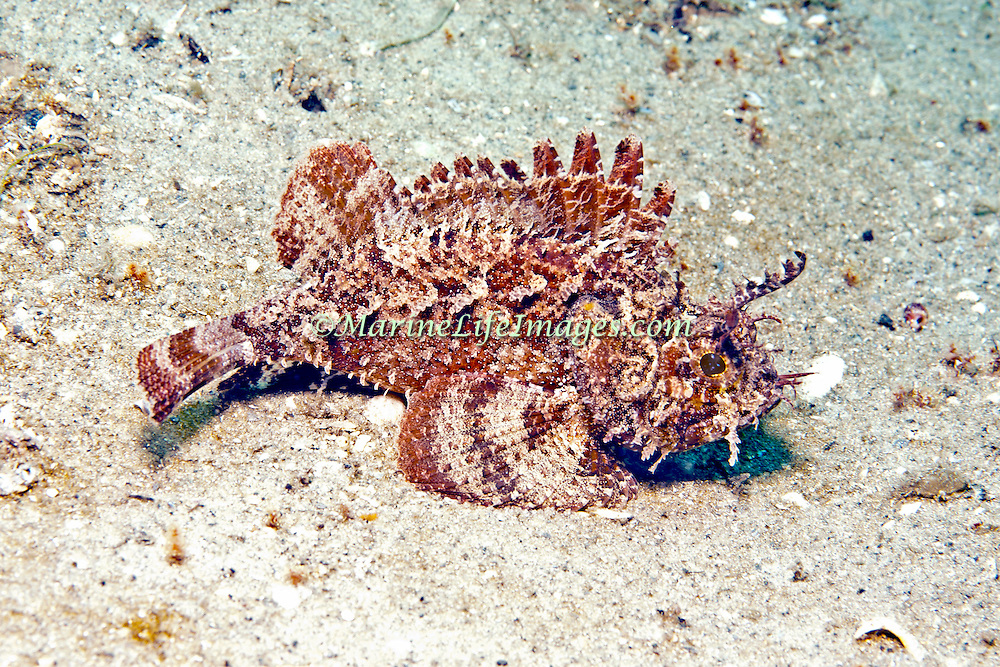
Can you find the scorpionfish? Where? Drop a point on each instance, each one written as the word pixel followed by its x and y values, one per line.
pixel 528 320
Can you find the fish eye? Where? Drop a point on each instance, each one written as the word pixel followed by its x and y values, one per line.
pixel 712 364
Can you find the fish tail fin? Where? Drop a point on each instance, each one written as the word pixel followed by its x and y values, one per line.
pixel 174 367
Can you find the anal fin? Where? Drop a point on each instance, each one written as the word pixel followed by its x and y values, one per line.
pixel 500 441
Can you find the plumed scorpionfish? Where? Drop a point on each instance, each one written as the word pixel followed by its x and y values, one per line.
pixel 524 319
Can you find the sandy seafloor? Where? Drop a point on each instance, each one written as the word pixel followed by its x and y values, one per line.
pixel 258 527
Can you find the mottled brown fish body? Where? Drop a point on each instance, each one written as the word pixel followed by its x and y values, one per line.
pixel 475 254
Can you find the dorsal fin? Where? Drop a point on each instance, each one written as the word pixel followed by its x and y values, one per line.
pixel 513 171
pixel 656 210
pixel 439 173
pixel 581 203
pixel 569 205
pixel 586 156
pixel 463 167
pixel 547 161
pixel 316 208
pixel 584 191
pixel 625 182
pixel 475 198
pixel 337 193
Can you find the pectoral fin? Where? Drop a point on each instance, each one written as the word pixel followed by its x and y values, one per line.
pixel 502 441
